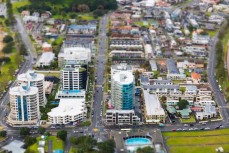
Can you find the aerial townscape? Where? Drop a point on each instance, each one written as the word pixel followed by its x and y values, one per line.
pixel 114 76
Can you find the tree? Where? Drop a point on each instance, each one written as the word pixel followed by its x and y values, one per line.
pixel 11 71
pixel 145 150
pixel 22 49
pixel 62 135
pixel 182 104
pixel 83 8
pixel 8 48
pixel 3 134
pixel 107 146
pixel 29 141
pixel 24 131
pixel 7 39
pixel 41 130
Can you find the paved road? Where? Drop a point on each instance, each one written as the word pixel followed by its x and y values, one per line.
pixel 3 9
pixel 25 66
pixel 99 73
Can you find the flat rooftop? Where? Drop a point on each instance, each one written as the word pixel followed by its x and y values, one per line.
pixel 153 105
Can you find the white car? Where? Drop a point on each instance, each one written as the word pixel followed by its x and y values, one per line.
pixel 207 128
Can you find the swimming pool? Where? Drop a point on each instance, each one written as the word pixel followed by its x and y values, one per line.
pixel 135 142
pixel 138 141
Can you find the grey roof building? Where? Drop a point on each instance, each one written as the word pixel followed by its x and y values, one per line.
pixel 171 66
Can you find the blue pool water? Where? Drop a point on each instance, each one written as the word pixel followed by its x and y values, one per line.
pixel 70 91
pixel 138 141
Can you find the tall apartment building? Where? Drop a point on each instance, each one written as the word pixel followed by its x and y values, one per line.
pixel 122 90
pixel 35 80
pixel 24 105
pixel 73 77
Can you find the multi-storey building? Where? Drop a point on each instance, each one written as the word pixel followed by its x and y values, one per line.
pixel 153 111
pixel 80 55
pixel 73 78
pixel 24 105
pixel 69 110
pixel 35 80
pixel 121 117
pixel 122 90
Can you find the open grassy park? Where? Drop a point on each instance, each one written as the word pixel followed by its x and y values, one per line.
pixel 197 141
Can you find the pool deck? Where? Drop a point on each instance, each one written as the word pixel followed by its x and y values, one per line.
pixel 118 136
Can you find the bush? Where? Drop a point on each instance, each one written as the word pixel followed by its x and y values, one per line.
pixel 3 134
pixel 86 123
pixel 7 39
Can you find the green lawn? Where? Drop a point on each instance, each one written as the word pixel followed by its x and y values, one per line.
pixel 56 74
pixel 212 33
pixel 57 144
pixel 189 120
pixel 197 141
pixel 73 150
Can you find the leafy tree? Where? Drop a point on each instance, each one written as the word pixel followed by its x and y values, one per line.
pixel 182 104
pixel 22 49
pixel 29 141
pixel 8 48
pixel 62 134
pixel 7 39
pixel 145 150
pixel 83 8
pixel 107 146
pixel 3 134
pixel 11 71
pixel 73 140
pixel 41 130
pixel 30 151
pixel 24 131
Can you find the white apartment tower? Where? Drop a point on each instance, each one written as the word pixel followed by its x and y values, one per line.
pixel 24 105
pixel 35 80
pixel 70 77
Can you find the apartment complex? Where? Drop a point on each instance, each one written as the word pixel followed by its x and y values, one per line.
pixel 73 77
pixel 122 90
pixel 69 110
pixel 34 80
pixel 24 105
pixel 153 111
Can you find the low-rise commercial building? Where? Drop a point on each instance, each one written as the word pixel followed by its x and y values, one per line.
pixel 121 117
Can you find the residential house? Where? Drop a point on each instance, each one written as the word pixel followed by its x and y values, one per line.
pixel 196 77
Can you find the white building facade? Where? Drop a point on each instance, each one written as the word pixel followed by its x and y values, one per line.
pixel 24 105
pixel 35 80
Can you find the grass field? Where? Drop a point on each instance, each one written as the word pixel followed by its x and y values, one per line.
pixel 57 144
pixel 197 141
pixel 189 120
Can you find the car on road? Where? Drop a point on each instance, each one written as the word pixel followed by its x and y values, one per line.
pixel 184 129
pixel 196 129
pixel 185 125
pixel 191 124
pixel 191 129
pixel 203 123
pixel 207 128
pixel 179 129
